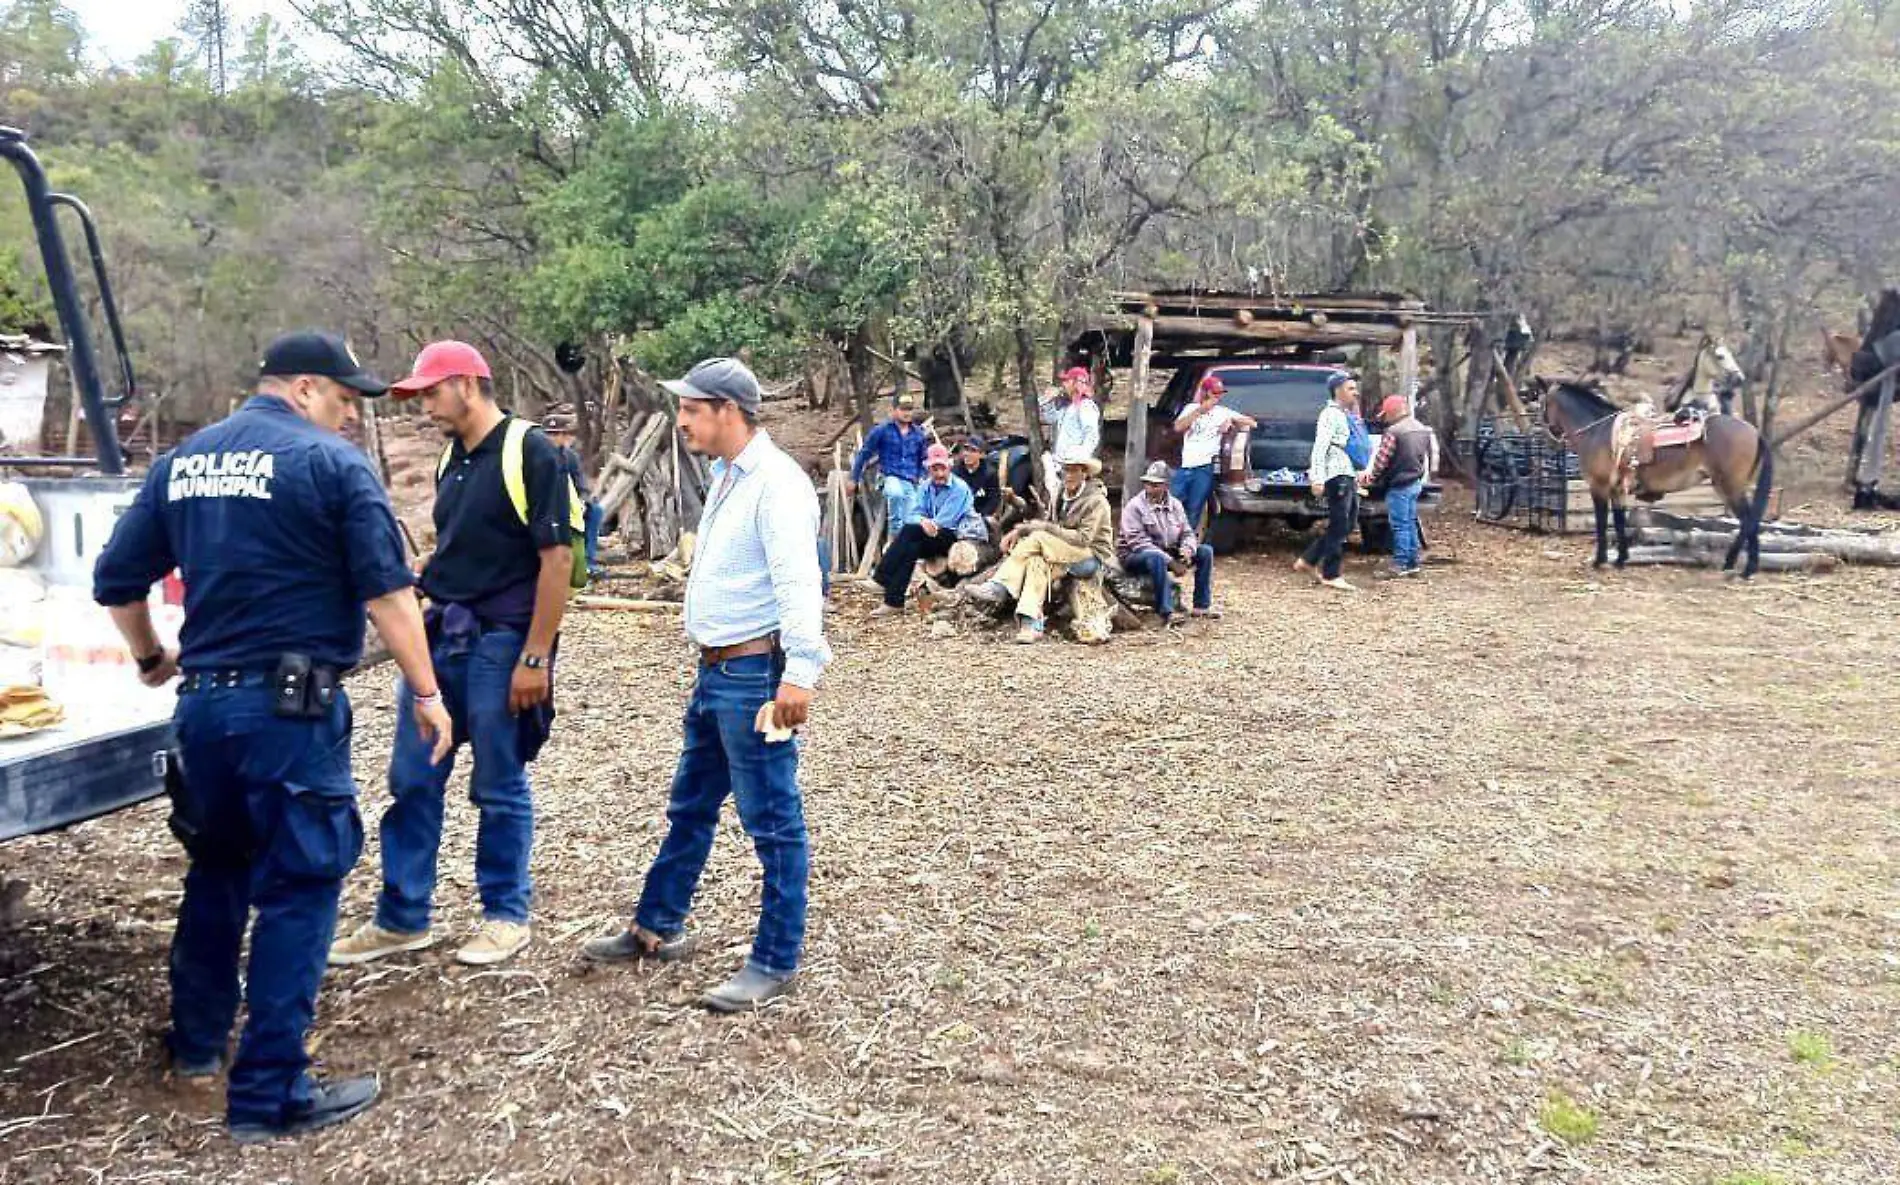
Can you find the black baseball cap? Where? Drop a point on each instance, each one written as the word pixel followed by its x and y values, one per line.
pixel 325 355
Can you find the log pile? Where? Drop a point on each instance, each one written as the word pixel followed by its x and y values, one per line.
pixel 1664 538
pixel 652 487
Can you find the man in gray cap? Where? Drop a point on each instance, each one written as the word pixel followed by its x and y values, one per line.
pixel 755 613
pixel 1157 541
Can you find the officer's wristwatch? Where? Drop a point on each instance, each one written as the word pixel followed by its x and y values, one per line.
pixel 533 662
pixel 150 662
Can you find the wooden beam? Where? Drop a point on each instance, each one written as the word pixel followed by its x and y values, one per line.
pixel 1297 331
pixel 1136 450
pixel 1503 376
pixel 1851 397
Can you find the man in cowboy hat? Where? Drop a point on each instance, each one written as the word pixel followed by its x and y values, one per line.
pixel 1157 541
pixel 945 513
pixel 1080 542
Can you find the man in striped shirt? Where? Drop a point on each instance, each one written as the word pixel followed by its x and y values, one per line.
pixel 755 613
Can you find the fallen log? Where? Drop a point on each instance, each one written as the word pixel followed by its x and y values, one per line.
pixel 1854 549
pixel 1770 562
pixel 624 604
pixel 969 556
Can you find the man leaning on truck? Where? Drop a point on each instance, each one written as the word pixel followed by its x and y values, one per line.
pixel 283 535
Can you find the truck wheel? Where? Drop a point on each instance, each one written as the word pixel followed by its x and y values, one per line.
pixel 1223 532
pixel 1375 536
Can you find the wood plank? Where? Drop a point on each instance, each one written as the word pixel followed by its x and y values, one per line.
pixel 1136 449
pixel 1217 329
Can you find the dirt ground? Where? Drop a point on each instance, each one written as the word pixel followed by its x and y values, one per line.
pixel 1516 873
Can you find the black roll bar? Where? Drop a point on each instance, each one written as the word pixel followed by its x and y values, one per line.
pixel 41 202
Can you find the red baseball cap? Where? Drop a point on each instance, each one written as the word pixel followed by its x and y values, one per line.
pixel 439 361
pixel 1393 409
pixel 1212 383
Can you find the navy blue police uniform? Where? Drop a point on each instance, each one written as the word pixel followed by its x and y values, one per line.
pixel 282 532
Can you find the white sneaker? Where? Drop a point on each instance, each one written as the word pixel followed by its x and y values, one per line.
pixel 370 942
pixel 495 942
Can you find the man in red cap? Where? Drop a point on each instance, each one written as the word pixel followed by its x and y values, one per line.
pixel 1201 424
pixel 497 586
pixel 1075 426
pixel 1399 469
pixel 945 511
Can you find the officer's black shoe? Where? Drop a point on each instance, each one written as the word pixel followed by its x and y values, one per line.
pixel 330 1103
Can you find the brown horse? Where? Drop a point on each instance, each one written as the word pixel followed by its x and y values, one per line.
pixel 1729 451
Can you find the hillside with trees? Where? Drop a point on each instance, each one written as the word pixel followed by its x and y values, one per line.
pixel 660 181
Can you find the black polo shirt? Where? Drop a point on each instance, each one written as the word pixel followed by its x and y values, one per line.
pixel 481 547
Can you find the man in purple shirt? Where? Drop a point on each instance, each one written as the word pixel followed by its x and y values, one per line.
pixel 1156 541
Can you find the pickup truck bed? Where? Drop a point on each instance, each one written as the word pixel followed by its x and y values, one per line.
pixel 71 773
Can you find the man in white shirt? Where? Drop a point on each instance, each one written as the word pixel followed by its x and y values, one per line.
pixel 1074 420
pixel 755 613
pixel 1202 423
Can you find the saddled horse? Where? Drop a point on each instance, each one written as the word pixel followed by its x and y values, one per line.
pixel 1727 449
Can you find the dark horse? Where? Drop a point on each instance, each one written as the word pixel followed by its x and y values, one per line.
pixel 1729 451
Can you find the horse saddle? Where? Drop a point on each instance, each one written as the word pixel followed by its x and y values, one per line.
pixel 1654 435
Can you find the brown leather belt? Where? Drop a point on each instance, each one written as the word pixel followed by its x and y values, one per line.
pixel 712 656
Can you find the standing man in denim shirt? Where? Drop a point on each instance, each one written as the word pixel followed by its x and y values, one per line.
pixel 284 536
pixel 755 616
pixel 898 444
pixel 497 586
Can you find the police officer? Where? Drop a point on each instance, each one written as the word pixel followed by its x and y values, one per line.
pixel 283 535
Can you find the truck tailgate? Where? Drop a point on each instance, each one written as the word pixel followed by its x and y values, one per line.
pixel 67 774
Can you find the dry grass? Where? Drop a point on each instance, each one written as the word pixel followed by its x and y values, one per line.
pixel 1336 890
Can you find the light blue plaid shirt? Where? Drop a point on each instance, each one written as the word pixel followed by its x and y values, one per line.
pixel 755 563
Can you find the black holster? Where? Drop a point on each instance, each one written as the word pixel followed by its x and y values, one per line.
pixel 301 690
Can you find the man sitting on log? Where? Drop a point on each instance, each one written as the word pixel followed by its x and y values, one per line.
pixel 944 513
pixel 1157 542
pixel 976 470
pixel 898 444
pixel 1079 543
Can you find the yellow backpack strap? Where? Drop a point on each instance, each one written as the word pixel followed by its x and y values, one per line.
pixel 513 465
pixel 512 452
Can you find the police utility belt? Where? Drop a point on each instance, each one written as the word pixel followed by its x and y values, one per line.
pixel 300 689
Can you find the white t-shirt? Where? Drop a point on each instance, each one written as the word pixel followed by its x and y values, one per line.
pixel 1203 436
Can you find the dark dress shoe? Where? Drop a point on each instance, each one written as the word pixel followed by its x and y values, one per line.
pixel 750 989
pixel 330 1103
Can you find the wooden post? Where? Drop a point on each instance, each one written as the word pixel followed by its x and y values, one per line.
pixel 1408 366
pixel 1135 454
pixel 373 437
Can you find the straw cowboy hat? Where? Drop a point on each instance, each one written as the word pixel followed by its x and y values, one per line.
pixel 1092 464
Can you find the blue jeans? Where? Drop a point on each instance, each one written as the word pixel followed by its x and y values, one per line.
pixel 278 832
pixel 475 691
pixel 593 517
pixel 1401 506
pixel 724 755
pixel 1153 564
pixel 901 497
pixel 1194 487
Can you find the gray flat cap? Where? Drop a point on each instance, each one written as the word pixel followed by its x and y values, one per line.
pixel 1157 474
pixel 720 378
